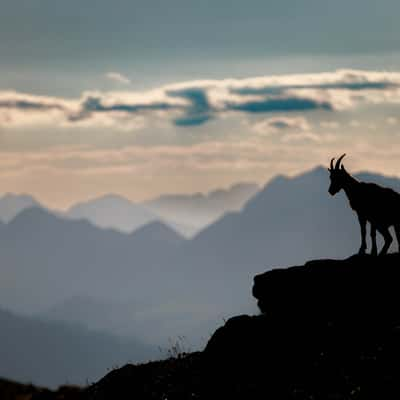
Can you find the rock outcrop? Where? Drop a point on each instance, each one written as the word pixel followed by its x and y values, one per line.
pixel 328 329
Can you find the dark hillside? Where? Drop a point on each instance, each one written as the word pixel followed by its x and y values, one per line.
pixel 328 330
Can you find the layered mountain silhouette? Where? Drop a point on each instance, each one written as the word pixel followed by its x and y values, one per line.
pixel 187 214
pixel 155 284
pixel 58 258
pixel 199 210
pixel 112 211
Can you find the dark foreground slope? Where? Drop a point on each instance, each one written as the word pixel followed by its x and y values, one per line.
pixel 10 390
pixel 327 330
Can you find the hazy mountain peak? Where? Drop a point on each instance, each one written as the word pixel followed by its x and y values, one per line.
pixel 250 186
pixel 33 215
pixel 20 196
pixel 276 180
pixel 316 172
pixel 106 200
pixel 283 189
pixel 112 211
pixel 157 231
pixel 11 204
pixel 245 189
pixel 42 219
pixel 201 209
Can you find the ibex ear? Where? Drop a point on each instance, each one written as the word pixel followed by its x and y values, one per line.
pixel 343 169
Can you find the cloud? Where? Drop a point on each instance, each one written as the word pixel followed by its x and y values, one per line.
pixel 285 104
pixel 22 101
pixel 22 109
pixel 290 130
pixel 117 77
pixel 198 111
pixel 357 85
pixel 96 103
pixel 281 125
pixel 194 103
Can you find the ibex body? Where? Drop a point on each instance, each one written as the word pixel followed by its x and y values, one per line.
pixel 373 203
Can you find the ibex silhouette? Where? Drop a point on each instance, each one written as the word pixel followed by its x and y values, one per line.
pixel 375 204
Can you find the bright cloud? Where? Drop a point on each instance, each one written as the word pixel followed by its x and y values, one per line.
pixel 194 103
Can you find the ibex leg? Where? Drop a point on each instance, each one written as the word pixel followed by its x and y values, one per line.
pixel 397 230
pixel 388 240
pixel 363 223
pixel 374 250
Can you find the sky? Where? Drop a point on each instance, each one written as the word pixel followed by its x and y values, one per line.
pixel 144 97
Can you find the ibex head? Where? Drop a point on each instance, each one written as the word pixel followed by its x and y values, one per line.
pixel 337 175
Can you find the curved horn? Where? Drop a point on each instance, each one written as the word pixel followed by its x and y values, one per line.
pixel 338 161
pixel 332 163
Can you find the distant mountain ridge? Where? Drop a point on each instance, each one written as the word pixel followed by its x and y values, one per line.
pixel 201 209
pixel 58 250
pixel 186 214
pixel 288 211
pixel 11 204
pixel 164 285
pixel 112 211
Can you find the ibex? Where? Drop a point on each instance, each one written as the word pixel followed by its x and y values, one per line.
pixel 373 203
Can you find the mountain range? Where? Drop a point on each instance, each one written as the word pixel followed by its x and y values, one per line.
pixel 187 214
pixel 155 284
pixel 199 210
pixel 112 211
